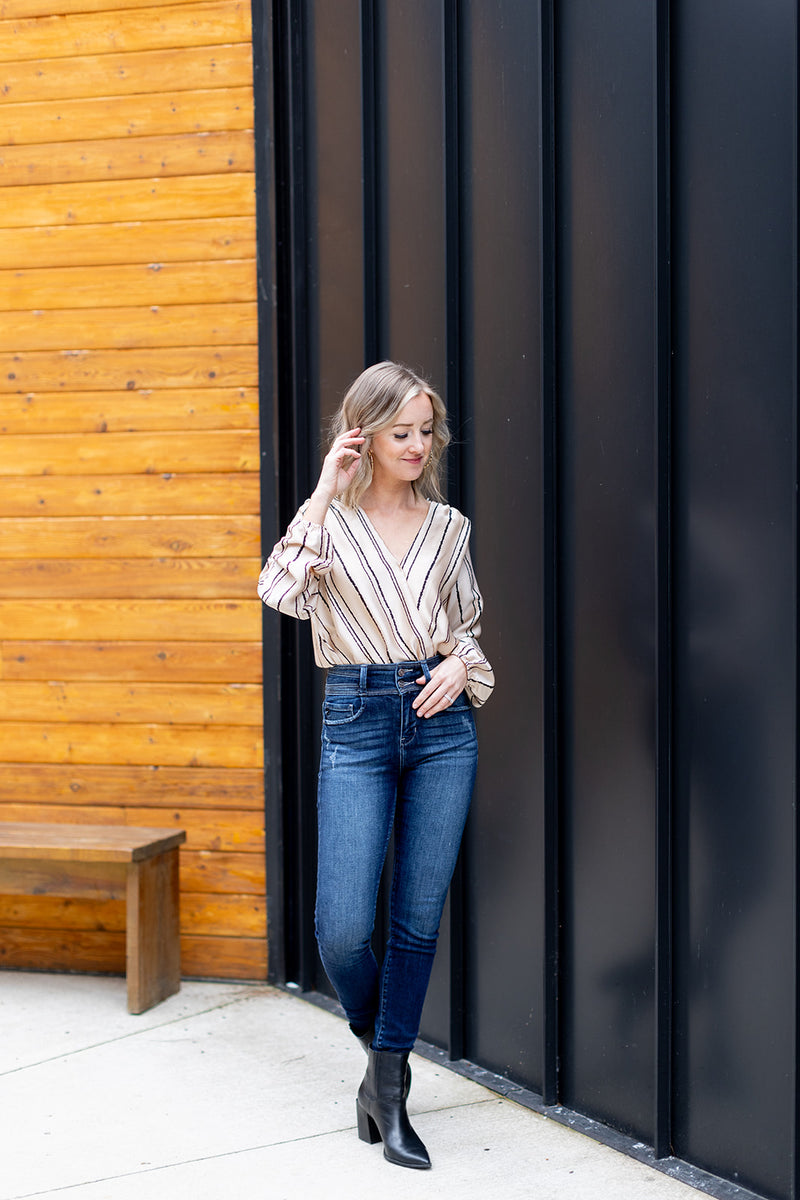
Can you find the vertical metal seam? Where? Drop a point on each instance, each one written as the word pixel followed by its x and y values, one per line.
pixel 283 461
pixel 303 802
pixel 664 586
pixel 264 116
pixel 795 1178
pixel 292 470
pixel 551 732
pixel 453 238
pixel 457 463
pixel 370 166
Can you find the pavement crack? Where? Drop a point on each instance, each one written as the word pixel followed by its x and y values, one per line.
pixel 188 1162
pixel 126 1036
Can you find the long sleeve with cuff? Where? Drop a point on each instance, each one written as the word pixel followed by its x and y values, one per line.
pixel 289 581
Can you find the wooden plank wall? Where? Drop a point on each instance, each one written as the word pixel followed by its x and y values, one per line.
pixel 129 530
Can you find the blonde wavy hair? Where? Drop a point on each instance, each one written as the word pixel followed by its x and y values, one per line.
pixel 372 403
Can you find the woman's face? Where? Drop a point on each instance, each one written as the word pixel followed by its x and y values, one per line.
pixel 401 450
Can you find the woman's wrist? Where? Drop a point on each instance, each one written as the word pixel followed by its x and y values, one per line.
pixel 460 660
pixel 318 505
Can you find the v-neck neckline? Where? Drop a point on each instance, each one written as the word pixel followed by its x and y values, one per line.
pixel 400 562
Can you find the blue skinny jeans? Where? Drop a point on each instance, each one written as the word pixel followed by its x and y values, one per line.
pixel 381 768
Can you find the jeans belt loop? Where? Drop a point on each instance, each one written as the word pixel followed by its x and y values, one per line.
pixel 362 679
pixel 425 670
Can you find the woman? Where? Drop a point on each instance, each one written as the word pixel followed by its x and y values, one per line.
pixel 380 566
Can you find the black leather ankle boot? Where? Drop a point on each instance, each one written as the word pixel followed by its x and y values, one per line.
pixel 381 1110
pixel 366 1041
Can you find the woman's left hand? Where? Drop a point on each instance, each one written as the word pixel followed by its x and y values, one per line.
pixel 448 680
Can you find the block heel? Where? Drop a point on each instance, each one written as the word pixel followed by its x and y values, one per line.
pixel 367 1129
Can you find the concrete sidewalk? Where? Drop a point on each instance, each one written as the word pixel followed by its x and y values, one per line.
pixel 228 1092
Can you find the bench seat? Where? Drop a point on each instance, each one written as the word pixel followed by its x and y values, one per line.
pixel 108 862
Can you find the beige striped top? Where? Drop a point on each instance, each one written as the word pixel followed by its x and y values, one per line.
pixel 366 607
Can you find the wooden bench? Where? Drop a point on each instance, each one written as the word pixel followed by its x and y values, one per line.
pixel 108 862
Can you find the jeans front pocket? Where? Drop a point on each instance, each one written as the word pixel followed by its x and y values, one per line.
pixel 341 710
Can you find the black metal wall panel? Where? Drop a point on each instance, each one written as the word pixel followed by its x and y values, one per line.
pixel 411 195
pixel 734 195
pixel 605 151
pixel 579 220
pixel 500 355
pixel 329 79
pixel 334 232
pixel 409 267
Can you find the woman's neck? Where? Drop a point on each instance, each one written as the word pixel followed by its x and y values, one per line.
pixel 387 499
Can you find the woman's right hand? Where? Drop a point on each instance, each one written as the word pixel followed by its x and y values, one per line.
pixel 338 468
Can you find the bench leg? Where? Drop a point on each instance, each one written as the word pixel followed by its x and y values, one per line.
pixel 153 966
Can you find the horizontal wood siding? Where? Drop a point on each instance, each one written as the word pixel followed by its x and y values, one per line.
pixel 130 659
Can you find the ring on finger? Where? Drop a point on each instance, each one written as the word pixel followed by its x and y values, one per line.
pixel 448 698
